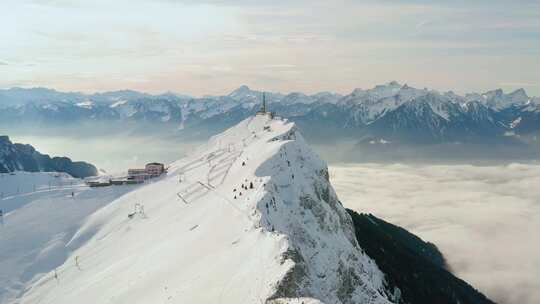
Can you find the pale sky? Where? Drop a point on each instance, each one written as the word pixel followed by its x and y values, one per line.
pixel 212 47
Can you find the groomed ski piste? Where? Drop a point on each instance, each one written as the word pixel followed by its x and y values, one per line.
pixel 250 217
pixel 41 212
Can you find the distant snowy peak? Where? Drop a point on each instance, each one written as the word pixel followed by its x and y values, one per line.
pixel 386 90
pixel 372 104
pixel 498 100
pixel 326 97
pixel 518 97
pixel 382 93
pixel 114 96
pixel 379 91
pixel 296 97
pixel 23 96
pixel 20 96
pixel 244 92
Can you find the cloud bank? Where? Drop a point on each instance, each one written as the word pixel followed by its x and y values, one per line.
pixel 485 219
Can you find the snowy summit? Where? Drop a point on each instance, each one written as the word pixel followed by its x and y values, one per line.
pixel 251 217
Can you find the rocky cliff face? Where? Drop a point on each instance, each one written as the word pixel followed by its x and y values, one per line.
pixel 299 203
pixel 19 157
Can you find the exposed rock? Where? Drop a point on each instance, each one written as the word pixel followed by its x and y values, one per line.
pixel 414 269
pixel 20 157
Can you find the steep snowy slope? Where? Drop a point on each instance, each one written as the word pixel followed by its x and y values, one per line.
pixel 249 218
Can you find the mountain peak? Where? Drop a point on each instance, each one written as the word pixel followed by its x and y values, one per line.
pixel 494 93
pixel 242 89
pixel 41 90
pixel 519 93
pixel 265 206
pixel 358 91
pixel 245 94
pixel 4 139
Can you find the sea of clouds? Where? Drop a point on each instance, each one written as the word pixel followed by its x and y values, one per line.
pixel 484 219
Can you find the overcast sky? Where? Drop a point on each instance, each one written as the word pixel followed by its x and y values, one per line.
pixel 212 47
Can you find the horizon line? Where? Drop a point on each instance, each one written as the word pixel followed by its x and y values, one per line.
pixel 96 92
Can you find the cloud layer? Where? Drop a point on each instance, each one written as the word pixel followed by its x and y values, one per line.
pixel 485 219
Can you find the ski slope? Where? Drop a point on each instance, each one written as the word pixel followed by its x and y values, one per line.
pixel 248 218
pixel 42 211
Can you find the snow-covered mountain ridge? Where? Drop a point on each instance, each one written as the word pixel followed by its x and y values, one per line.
pixel 249 218
pixel 392 111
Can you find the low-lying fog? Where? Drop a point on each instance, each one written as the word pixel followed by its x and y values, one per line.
pixel 112 153
pixel 485 219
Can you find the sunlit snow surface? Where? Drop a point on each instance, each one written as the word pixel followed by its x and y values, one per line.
pixel 42 211
pixel 286 240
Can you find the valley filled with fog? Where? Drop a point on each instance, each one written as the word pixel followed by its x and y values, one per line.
pixel 484 219
pixel 114 153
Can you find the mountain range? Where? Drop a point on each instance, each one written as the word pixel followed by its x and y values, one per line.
pixel 385 115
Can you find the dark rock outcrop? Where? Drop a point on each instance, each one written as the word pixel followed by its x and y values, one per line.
pixel 416 267
pixel 20 157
